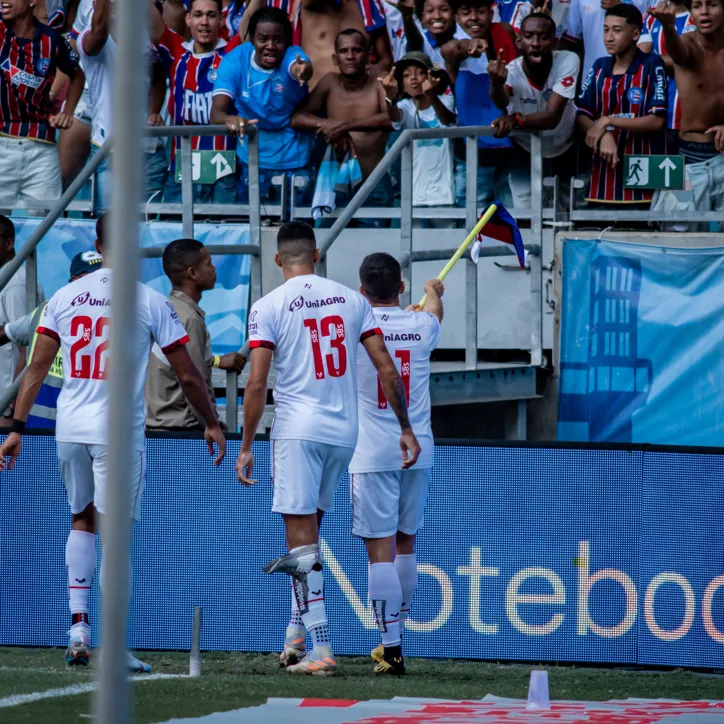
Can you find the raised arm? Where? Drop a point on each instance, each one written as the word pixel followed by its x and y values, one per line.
pixel 678 46
pixel 254 404
pixel 391 89
pixel 46 348
pixel 395 392
pixel 251 8
pixel 413 36
pixel 174 15
pixel 498 74
pixel 94 40
pixel 434 290
pixel 156 24
pixel 194 387
pixel 455 52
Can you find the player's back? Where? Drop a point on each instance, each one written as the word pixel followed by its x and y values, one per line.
pixel 410 338
pixel 314 325
pixel 79 317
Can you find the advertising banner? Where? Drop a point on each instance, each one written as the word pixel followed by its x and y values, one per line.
pixel 641 332
pixel 527 553
pixel 226 306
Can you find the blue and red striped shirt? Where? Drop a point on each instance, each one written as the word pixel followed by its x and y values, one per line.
pixel 654 33
pixel 639 92
pixel 27 72
pixel 191 87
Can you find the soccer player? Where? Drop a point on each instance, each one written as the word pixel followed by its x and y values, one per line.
pixel 77 319
pixel 311 327
pixel 622 108
pixel 191 68
pixel 388 501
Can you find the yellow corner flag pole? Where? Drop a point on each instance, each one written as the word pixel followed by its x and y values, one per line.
pixel 468 240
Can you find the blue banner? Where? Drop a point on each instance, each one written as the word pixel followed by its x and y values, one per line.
pixel 641 331
pixel 528 553
pixel 226 306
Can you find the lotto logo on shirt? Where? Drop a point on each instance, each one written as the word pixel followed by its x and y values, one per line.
pixel 568 81
pixel 197 107
pixel 20 77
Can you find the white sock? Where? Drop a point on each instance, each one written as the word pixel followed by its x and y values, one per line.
pixel 80 562
pixel 386 595
pixel 295 625
pixel 406 566
pixel 312 611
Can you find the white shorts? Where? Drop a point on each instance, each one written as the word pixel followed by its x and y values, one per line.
pixel 30 171
pixel 84 469
pixel 306 474
pixel 387 502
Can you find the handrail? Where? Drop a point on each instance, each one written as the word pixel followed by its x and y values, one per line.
pixel 383 167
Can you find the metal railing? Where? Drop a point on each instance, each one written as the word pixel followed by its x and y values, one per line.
pixel 402 148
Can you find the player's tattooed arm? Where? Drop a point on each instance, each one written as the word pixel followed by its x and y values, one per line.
pixel 394 390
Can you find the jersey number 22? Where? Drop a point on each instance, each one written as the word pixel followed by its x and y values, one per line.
pixel 83 366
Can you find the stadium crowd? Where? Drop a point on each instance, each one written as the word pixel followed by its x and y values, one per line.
pixel 328 84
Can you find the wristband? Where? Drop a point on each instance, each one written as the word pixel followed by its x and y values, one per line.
pixel 17 426
pixel 216 361
pixel 519 120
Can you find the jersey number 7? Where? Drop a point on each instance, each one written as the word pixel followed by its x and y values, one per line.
pixel 82 366
pixel 326 325
pixel 404 356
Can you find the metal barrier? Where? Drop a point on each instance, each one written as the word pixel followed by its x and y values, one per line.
pixel 401 148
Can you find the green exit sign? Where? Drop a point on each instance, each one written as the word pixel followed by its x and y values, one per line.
pixel 207 167
pixel 653 172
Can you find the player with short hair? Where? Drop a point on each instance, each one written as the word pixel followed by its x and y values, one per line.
pixel 77 319
pixel 388 500
pixel 311 327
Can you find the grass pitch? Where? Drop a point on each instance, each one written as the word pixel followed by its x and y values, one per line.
pixel 233 680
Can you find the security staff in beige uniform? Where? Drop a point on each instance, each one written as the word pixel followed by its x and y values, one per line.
pixel 189 267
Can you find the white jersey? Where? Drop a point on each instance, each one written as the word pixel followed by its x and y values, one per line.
pixel 98 71
pixel 78 316
pixel 410 337
pixel 526 97
pixel 314 326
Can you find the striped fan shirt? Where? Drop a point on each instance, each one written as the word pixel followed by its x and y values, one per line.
pixel 27 72
pixel 654 33
pixel 639 92
pixel 191 87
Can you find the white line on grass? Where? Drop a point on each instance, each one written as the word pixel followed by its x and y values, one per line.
pixel 18 699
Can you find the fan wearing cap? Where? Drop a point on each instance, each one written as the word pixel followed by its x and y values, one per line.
pixel 23 332
pixel 422 106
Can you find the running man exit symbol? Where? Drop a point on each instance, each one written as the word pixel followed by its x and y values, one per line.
pixel 654 172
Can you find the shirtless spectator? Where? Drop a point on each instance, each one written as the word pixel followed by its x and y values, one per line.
pixel 467 62
pixel 349 106
pixel 652 41
pixel 698 58
pixel 537 92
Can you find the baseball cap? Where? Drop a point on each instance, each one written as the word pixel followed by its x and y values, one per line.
pixel 417 57
pixel 85 263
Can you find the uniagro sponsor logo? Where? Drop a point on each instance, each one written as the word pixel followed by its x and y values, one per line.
pixel 296 303
pixel 85 298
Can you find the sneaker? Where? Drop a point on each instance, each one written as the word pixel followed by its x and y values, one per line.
pixel 295 647
pixel 392 665
pixel 79 646
pixel 289 563
pixel 137 667
pixel 316 664
pixel 378 654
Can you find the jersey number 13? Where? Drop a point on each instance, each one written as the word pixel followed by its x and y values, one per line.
pixel 332 327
